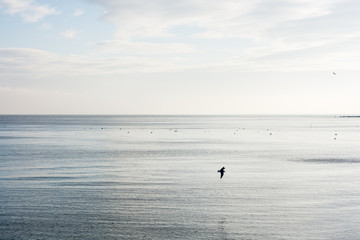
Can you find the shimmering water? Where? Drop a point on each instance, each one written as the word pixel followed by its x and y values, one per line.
pixel 155 177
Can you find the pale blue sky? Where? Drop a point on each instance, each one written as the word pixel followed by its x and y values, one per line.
pixel 179 57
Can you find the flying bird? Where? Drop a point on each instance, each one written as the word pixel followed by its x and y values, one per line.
pixel 221 171
pixel 334 73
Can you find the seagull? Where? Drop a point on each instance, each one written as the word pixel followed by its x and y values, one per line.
pixel 221 171
pixel 334 73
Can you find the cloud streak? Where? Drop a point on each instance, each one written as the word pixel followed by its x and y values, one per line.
pixel 78 13
pixel 37 64
pixel 145 48
pixel 155 18
pixel 29 10
pixel 229 18
pixel 33 63
pixel 69 34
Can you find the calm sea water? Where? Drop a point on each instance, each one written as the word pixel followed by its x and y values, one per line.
pixel 155 177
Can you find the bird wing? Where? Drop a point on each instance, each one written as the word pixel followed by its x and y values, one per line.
pixel 222 174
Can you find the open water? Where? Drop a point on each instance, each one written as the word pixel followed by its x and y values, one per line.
pixel 155 177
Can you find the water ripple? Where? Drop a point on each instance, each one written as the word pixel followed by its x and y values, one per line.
pixel 330 160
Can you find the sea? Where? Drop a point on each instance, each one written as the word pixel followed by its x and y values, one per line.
pixel 155 177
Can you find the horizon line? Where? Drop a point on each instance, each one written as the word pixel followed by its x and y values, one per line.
pixel 179 114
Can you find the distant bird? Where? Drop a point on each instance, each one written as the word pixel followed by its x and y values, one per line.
pixel 221 171
pixel 334 73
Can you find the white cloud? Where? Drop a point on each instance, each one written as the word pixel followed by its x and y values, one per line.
pixel 222 19
pixel 78 13
pixel 29 10
pixel 33 63
pixel 286 27
pixel 153 19
pixel 288 35
pixel 17 62
pixel 69 34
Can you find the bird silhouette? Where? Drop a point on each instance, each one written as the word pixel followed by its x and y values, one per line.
pixel 221 171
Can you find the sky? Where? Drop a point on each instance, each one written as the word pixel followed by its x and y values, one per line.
pixel 179 57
